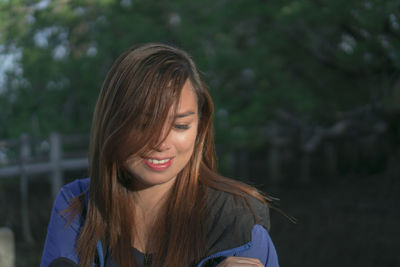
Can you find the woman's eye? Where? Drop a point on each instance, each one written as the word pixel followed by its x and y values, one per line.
pixel 181 126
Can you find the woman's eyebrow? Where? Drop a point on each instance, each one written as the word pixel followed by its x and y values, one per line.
pixel 184 114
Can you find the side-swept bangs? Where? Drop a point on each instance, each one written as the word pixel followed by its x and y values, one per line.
pixel 144 87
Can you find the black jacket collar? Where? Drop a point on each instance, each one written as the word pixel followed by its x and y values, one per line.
pixel 230 220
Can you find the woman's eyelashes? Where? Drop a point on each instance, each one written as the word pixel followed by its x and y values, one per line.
pixel 182 126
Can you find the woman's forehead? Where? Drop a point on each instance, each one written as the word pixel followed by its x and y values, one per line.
pixel 187 104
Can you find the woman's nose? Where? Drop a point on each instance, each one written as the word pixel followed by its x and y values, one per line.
pixel 163 145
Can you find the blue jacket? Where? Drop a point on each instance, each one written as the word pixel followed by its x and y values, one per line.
pixel 232 231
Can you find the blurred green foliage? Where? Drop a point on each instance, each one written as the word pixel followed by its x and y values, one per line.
pixel 313 58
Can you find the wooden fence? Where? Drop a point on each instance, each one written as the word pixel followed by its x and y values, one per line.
pixel 25 158
pixel 296 153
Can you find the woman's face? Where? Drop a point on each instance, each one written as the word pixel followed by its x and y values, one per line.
pixel 162 164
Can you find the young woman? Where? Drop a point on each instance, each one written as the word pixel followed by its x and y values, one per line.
pixel 154 196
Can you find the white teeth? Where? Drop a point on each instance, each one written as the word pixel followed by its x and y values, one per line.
pixel 156 161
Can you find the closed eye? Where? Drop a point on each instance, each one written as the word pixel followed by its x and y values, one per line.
pixel 182 126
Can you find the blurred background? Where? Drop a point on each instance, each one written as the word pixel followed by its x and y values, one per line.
pixel 307 97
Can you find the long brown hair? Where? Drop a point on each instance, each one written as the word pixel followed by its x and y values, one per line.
pixel 139 90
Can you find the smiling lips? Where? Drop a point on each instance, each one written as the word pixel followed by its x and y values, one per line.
pixel 158 164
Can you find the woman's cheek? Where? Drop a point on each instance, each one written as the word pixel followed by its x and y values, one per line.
pixel 186 140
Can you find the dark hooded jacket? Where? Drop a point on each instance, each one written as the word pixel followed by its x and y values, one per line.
pixel 232 230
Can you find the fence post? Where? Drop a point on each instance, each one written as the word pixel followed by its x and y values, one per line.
pixel 55 159
pixel 274 164
pixel 331 159
pixel 7 247
pixel 241 163
pixel 25 153
pixel 305 163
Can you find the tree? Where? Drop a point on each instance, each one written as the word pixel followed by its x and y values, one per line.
pixel 314 58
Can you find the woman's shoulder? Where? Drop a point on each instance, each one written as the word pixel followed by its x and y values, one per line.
pixel 62 232
pixel 231 219
pixel 69 192
pixel 77 186
pixel 230 206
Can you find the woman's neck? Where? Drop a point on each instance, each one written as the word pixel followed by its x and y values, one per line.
pixel 148 202
pixel 148 198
